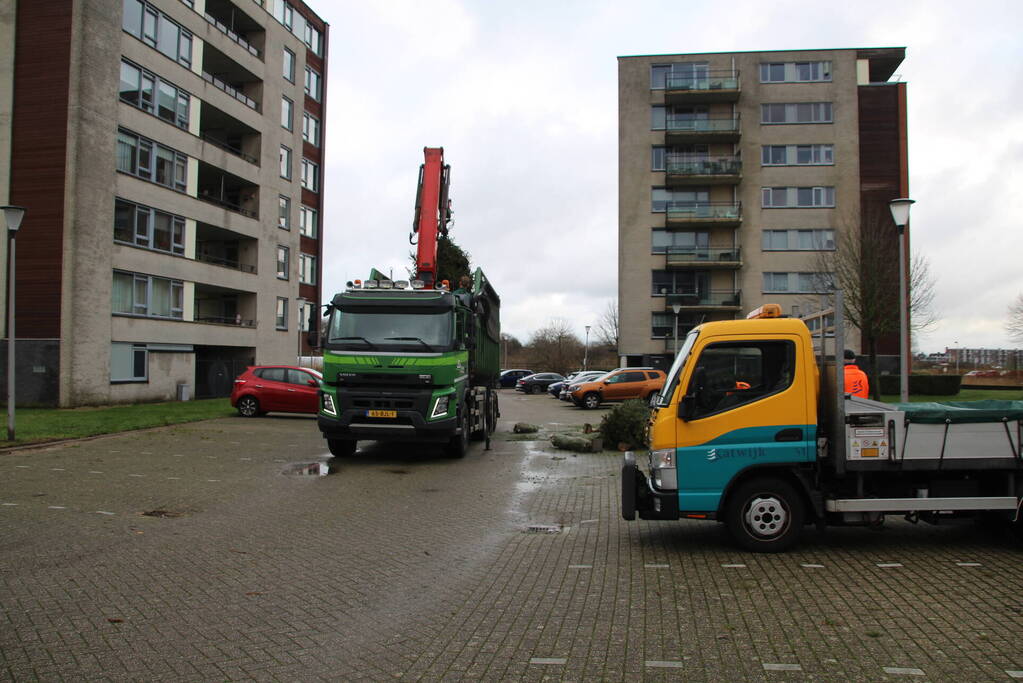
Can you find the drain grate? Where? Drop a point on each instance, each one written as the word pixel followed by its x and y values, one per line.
pixel 546 528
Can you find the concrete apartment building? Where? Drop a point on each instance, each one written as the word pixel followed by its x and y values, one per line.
pixel 170 156
pixel 736 171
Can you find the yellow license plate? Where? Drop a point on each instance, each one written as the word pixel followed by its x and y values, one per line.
pixel 382 413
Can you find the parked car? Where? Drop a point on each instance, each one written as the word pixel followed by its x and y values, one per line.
pixel 279 388
pixel 509 377
pixel 560 389
pixel 538 383
pixel 619 385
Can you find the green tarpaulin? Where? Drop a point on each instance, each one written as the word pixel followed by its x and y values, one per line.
pixel 957 412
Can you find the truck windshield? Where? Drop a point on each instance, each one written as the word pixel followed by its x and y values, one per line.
pixel 664 398
pixel 389 330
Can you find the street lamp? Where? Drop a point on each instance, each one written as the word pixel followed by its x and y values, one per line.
pixel 900 214
pixel 586 353
pixel 13 216
pixel 301 314
pixel 676 308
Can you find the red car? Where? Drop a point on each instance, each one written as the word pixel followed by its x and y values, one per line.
pixel 281 388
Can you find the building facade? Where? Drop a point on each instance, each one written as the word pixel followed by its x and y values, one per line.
pixel 737 174
pixel 169 155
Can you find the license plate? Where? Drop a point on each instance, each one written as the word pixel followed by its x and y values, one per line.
pixel 381 413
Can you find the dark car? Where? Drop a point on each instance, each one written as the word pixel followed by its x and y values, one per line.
pixel 279 388
pixel 508 378
pixel 538 383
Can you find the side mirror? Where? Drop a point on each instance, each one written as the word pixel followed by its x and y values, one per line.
pixel 312 383
pixel 313 340
pixel 686 407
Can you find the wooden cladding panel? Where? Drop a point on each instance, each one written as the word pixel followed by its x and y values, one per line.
pixel 39 127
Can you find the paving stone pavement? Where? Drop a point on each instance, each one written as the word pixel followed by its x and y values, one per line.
pixel 237 549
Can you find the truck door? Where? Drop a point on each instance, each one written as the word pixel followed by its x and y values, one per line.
pixel 624 385
pixel 745 406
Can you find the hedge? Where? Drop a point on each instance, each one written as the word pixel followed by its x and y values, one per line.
pixel 923 385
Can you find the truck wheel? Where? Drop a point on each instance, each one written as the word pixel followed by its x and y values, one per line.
pixel 765 515
pixel 459 444
pixel 536 389
pixel 341 448
pixel 591 400
pixel 248 406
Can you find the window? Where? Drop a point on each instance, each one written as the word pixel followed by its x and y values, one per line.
pixel 155 28
pixel 664 241
pixel 795 72
pixel 797 155
pixel 284 215
pixel 284 13
pixel 311 129
pixel 287 113
pixel 129 362
pixel 798 197
pixel 684 282
pixel 285 162
pixel 313 39
pixel 676 118
pixel 147 295
pixel 305 316
pixel 281 320
pixel 310 176
pixel 135 155
pixel 799 240
pixel 307 269
pixel 283 256
pixel 145 227
pixel 662 325
pixel 679 74
pixel 732 374
pixel 289 65
pixel 797 283
pixel 307 222
pixel 312 83
pixel 662 199
pixel 801 112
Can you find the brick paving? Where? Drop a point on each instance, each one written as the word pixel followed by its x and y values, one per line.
pixel 199 553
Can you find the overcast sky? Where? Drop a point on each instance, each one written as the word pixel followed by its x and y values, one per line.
pixel 523 97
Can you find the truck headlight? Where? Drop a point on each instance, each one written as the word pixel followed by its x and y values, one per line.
pixel 440 408
pixel 663 458
pixel 328 404
pixel 662 469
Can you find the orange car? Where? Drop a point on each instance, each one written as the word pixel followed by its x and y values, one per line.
pixel 618 385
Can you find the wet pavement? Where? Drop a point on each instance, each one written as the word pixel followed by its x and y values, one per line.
pixel 237 549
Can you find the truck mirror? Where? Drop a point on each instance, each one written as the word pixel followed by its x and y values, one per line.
pixel 686 407
pixel 313 340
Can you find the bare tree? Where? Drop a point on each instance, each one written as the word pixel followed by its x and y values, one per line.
pixel 1014 324
pixel 865 266
pixel 555 348
pixel 607 326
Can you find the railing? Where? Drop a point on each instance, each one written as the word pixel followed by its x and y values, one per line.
pixel 226 263
pixel 707 210
pixel 711 166
pixel 684 124
pixel 708 297
pixel 230 90
pixel 223 203
pixel 704 255
pixel 711 80
pixel 229 148
pixel 234 36
pixel 236 321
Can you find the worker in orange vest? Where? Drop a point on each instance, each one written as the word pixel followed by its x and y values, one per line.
pixel 855 379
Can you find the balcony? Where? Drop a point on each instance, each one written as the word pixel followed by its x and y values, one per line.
pixel 687 130
pixel 712 86
pixel 703 215
pixel 236 25
pixel 721 258
pixel 708 299
pixel 229 134
pixel 225 74
pixel 225 248
pixel 228 191
pixel 683 170
pixel 222 306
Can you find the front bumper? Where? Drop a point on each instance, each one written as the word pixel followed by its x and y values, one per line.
pixel 407 426
pixel 640 496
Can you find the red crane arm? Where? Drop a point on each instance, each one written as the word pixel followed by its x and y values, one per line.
pixel 433 212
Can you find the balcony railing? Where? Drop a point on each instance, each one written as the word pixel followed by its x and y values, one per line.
pixel 684 124
pixel 706 257
pixel 707 298
pixel 712 80
pixel 707 211
pixel 236 321
pixel 715 166
pixel 217 142
pixel 226 263
pixel 234 36
pixel 230 90
pixel 231 206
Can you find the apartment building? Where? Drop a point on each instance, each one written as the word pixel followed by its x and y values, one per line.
pixel 737 171
pixel 170 157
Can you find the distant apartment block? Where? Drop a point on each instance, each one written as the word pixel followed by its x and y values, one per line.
pixel 736 171
pixel 170 156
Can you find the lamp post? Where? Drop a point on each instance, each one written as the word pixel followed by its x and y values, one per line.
pixel 957 356
pixel 674 346
pixel 586 352
pixel 13 216
pixel 301 314
pixel 900 214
